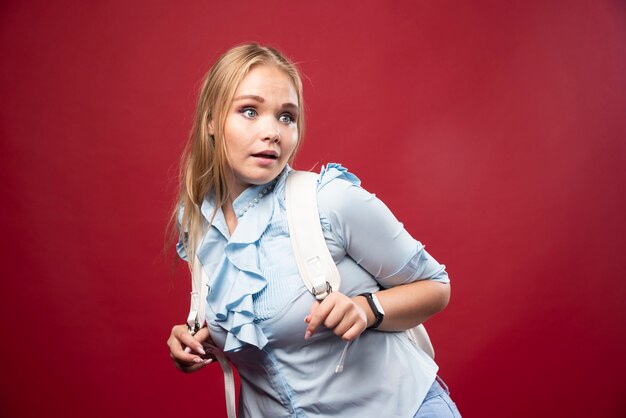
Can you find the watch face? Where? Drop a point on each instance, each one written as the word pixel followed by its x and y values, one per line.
pixel 378 305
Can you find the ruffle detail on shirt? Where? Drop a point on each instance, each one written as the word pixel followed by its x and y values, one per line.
pixel 230 298
pixel 328 173
pixel 240 277
pixel 332 171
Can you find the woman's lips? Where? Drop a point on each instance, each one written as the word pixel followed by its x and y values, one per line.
pixel 267 155
pixel 265 158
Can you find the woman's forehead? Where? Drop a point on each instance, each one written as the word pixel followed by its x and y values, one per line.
pixel 267 82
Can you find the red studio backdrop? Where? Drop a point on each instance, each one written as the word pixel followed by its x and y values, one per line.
pixel 494 130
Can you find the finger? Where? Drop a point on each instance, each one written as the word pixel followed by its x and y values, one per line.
pixel 343 326
pixel 203 336
pixel 338 314
pixel 314 306
pixel 181 333
pixel 194 367
pixel 204 357
pixel 181 344
pixel 318 315
pixel 343 309
pixel 353 332
pixel 351 316
pixel 184 358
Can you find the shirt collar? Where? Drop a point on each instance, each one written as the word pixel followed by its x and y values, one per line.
pixel 243 203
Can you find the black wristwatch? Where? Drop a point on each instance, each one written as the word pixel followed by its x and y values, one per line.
pixel 377 308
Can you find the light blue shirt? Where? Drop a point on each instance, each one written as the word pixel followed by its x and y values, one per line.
pixel 257 303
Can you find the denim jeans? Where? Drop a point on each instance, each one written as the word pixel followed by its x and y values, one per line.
pixel 437 403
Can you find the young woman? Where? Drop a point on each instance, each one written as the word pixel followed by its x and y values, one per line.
pixel 286 345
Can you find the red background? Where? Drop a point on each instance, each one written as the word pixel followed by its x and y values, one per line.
pixel 494 130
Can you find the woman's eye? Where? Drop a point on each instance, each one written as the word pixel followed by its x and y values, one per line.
pixel 286 118
pixel 248 112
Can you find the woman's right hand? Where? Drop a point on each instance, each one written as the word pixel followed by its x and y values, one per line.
pixel 186 350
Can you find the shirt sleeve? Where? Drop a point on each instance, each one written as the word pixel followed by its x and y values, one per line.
pixel 182 236
pixel 372 236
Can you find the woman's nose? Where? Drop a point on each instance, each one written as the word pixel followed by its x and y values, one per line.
pixel 271 131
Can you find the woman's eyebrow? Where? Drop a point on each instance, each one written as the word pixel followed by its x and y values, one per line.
pixel 291 106
pixel 250 96
pixel 260 99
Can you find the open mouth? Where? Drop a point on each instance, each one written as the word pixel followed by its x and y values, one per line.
pixel 267 155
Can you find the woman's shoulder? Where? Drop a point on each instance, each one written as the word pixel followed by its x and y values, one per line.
pixel 339 191
pixel 331 172
pixel 334 185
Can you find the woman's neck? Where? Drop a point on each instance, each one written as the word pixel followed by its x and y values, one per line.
pixel 229 215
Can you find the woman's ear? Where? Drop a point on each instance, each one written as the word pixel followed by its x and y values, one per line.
pixel 210 128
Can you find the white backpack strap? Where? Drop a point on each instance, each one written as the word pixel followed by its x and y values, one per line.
pixel 420 337
pixel 199 292
pixel 317 268
pixel 196 320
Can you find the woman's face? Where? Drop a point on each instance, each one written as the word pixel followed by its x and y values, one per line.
pixel 260 130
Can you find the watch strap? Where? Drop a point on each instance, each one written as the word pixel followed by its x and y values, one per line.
pixel 378 315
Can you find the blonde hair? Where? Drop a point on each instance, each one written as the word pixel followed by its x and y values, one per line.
pixel 204 168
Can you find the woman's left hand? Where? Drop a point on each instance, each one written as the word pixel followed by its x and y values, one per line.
pixel 340 314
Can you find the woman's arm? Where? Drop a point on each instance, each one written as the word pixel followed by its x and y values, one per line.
pixel 407 305
pixel 416 285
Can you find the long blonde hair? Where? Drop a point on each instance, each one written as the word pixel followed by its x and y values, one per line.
pixel 204 168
